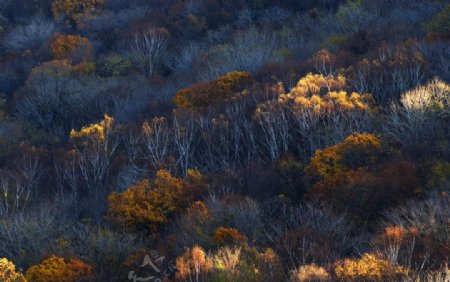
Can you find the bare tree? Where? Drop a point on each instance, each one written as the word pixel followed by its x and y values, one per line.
pixel 184 137
pixel 19 184
pixel 30 36
pixel 156 138
pixel 275 134
pixel 150 47
pixel 354 17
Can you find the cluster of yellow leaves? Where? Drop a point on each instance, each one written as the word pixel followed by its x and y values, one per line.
pixel 310 272
pixel 223 235
pixel 212 93
pixel 69 46
pixel 368 268
pixel 96 132
pixel 146 205
pixel 315 84
pixel 324 94
pixel 320 96
pixel 56 269
pixel 355 151
pixel 8 272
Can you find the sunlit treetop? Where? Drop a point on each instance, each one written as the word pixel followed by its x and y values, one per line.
pixel 9 273
pixel 96 132
pixel 322 95
pixel 315 84
pixel 433 96
pixel 368 268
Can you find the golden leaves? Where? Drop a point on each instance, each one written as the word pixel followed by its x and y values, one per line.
pixel 95 132
pixel 145 205
pixel 368 267
pixel 56 269
pixel 8 272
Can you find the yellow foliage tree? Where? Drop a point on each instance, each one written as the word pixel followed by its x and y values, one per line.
pixel 368 268
pixel 8 272
pixel 310 272
pixel 324 95
pixel 56 269
pixel 97 132
pixel 146 205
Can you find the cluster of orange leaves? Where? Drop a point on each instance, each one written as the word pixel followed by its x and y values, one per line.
pixel 223 235
pixel 146 205
pixel 200 96
pixel 193 262
pixel 56 269
pixel 69 46
pixel 62 68
pixel 72 7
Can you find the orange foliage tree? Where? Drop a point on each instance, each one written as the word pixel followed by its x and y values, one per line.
pixel 60 68
pixel 193 263
pixel 365 193
pixel 73 47
pixel 146 205
pixel 224 235
pixel 200 96
pixel 56 269
pixel 351 175
pixel 74 9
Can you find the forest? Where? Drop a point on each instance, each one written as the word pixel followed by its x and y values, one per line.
pixel 224 140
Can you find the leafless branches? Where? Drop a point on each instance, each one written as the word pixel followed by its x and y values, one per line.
pixel 150 47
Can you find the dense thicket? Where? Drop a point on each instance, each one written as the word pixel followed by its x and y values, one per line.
pixel 210 140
